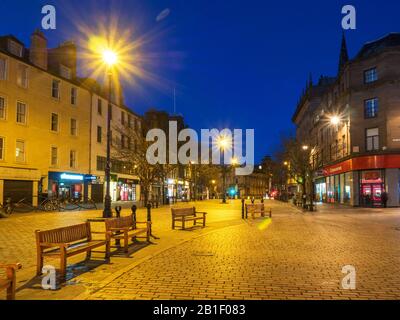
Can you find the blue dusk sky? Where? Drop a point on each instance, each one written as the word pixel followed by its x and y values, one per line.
pixel 234 64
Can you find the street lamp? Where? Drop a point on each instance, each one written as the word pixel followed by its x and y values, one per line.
pixel 223 143
pixel 334 120
pixel 110 59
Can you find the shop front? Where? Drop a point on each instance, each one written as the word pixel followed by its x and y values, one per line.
pixel 69 185
pixel 361 181
pixel 125 190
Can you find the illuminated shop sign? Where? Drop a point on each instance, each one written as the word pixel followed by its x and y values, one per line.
pixel 67 176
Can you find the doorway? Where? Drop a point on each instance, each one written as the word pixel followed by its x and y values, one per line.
pixel 371 194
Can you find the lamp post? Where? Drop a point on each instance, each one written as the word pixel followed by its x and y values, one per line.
pixel 110 59
pixel 223 143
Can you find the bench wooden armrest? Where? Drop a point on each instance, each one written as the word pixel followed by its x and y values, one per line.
pixel 14 266
pixel 201 212
pixel 143 222
pixel 49 244
pixel 120 229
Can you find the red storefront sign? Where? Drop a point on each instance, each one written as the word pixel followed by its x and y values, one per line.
pixel 364 163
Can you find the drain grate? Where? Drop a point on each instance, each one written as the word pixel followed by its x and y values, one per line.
pixel 203 254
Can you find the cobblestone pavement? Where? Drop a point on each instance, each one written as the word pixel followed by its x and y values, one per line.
pixel 17 243
pixel 295 256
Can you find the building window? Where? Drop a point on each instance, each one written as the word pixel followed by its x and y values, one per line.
pixel 22 76
pixel 20 151
pixel 370 75
pixel 1 148
pixel 74 127
pixel 99 134
pixel 21 112
pixel 100 107
pixel 72 159
pixel 101 163
pixel 54 156
pixel 15 48
pixel 2 108
pixel 54 122
pixel 122 118
pixel 371 108
pixel 123 139
pixel 74 96
pixel 65 72
pixel 372 139
pixel 3 69
pixel 55 89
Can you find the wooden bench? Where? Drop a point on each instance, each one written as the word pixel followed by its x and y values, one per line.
pixel 254 209
pixel 66 242
pixel 183 215
pixel 9 283
pixel 125 228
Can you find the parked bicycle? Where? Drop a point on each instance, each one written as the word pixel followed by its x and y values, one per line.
pixel 6 208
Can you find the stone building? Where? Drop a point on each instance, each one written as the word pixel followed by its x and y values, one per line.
pixel 52 135
pixel 351 123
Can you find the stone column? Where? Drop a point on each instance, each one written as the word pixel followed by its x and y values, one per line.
pixel 1 191
pixel 355 191
pixel 392 187
pixel 35 200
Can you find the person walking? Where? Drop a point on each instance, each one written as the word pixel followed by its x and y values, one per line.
pixel 384 198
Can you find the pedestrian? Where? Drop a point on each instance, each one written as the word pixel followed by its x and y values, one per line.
pixel 384 198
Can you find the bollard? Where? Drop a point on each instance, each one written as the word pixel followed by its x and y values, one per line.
pixel 134 209
pixel 262 200
pixel 243 208
pixel 118 210
pixel 270 213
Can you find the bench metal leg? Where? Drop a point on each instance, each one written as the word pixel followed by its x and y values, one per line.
pixel 11 288
pixel 89 255
pixel 39 263
pixel 63 264
pixel 126 239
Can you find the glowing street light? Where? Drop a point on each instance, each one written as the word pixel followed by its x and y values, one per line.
pixel 305 148
pixel 335 120
pixel 110 58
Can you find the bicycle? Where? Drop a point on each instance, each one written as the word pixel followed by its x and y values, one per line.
pixel 6 208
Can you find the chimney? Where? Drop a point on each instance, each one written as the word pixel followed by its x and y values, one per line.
pixel 38 50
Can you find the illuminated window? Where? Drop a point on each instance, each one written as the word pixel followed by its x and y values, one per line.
pixel 20 151
pixel 22 76
pixel 370 75
pixel 371 108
